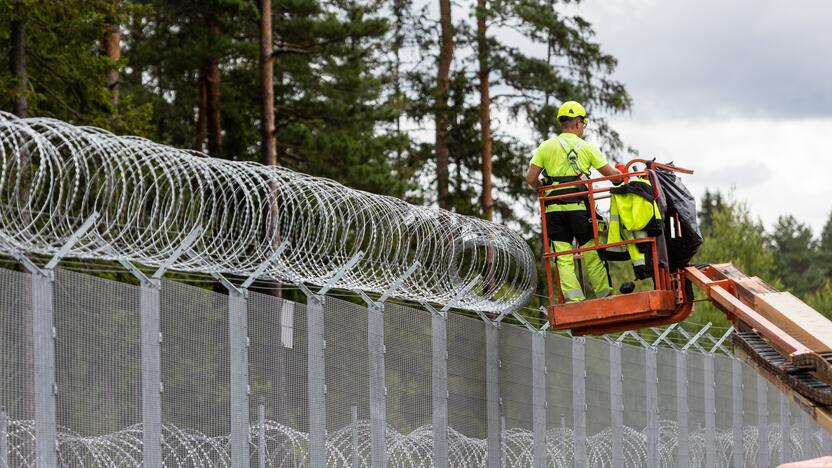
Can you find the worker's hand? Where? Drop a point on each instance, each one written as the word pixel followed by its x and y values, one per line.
pixel 623 170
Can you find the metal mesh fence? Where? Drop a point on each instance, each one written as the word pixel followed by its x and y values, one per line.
pixel 606 403
pixel 16 374
pixel 97 356
pixel 278 380
pixel 194 356
pixel 408 368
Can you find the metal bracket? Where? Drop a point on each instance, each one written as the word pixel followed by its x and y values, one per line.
pixel 641 340
pixel 376 306
pixel 47 271
pixel 525 322
pixel 664 335
pixel 718 343
pixel 184 245
pixel 27 263
pixel 70 243
pixel 622 337
pixel 548 324
pixel 692 341
pixel 227 284
pixel 399 281
pixel 454 300
pixel 143 279
pixel 433 310
pixel 258 272
pixel 333 281
pixel 308 292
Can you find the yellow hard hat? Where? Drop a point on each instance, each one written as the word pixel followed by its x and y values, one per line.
pixel 571 109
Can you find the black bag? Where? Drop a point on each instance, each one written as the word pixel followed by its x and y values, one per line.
pixel 680 202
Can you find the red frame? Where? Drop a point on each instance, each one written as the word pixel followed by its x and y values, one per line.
pixel 663 278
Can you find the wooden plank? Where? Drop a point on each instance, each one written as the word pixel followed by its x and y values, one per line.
pixel 797 319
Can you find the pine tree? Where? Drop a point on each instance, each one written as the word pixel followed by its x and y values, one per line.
pixel 734 236
pixel 54 68
pixel 795 255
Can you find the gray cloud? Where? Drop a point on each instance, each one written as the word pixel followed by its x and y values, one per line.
pixel 748 174
pixel 763 58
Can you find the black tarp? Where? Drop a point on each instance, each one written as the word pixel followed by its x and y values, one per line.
pixel 683 245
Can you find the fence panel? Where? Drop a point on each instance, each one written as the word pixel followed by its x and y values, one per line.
pixel 277 377
pixel 195 373
pixel 560 436
pixel 98 375
pixel 16 367
pixel 407 335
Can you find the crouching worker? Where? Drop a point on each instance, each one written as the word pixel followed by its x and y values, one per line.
pixel 568 158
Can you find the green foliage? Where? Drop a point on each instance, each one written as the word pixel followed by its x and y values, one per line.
pixel 66 69
pixel 732 235
pixel 796 255
pixel 821 299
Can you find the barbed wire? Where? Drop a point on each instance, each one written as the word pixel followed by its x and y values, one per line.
pixel 149 197
pixel 285 446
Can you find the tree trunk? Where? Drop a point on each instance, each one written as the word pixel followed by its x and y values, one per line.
pixel 446 55
pixel 111 46
pixel 485 111
pixel 17 61
pixel 214 81
pixel 214 124
pixel 269 156
pixel 202 110
pixel 267 134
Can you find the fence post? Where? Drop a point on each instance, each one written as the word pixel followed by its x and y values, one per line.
pixel 492 393
pixel 378 388
pixel 710 410
pixel 238 354
pixel 356 462
pixel 439 374
pixel 4 438
pixel 439 383
pixel 785 429
pixel 378 384
pixel 43 340
pixel 317 380
pixel 539 398
pixel 682 408
pixel 238 342
pixel 579 401
pixel 651 399
pixel 764 449
pixel 151 338
pixel 261 433
pixel 616 404
pixel 238 372
pixel 737 416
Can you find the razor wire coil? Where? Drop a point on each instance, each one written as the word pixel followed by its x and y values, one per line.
pixel 149 196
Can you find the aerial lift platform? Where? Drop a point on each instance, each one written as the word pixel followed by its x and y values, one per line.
pixel 781 337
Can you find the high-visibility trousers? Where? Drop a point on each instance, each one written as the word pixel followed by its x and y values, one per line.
pixel 595 271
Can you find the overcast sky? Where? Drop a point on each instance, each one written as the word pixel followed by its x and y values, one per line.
pixel 740 91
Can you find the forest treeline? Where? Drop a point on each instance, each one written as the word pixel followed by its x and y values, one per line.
pixel 787 255
pixel 415 99
pixel 431 101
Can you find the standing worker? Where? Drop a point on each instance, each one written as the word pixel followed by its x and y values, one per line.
pixel 568 158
